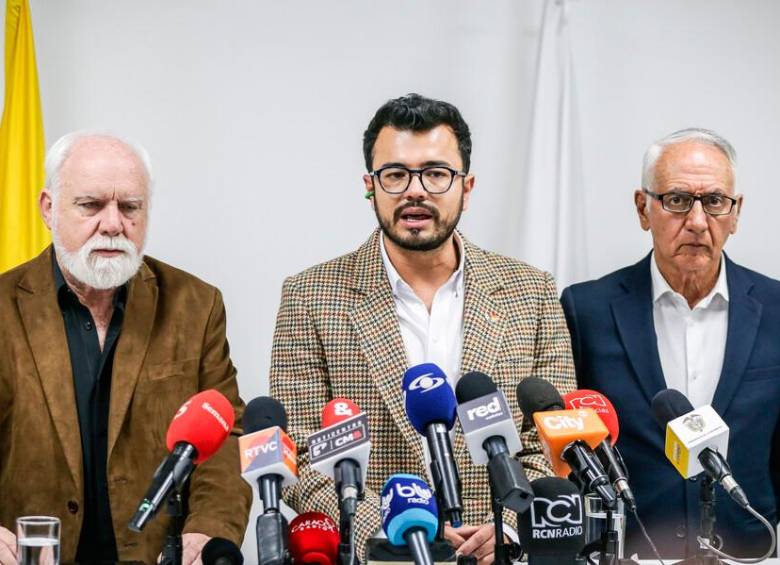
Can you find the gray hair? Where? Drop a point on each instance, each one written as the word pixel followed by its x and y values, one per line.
pixel 59 152
pixel 699 135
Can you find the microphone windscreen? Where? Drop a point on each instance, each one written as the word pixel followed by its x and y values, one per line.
pixel 338 410
pixel 408 502
pixel 554 525
pixel 668 405
pixel 221 548
pixel 474 385
pixel 314 538
pixel 428 397
pixel 538 395
pixel 264 412
pixel 584 398
pixel 204 421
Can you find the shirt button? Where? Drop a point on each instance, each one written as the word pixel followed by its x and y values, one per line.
pixel 681 531
pixel 87 325
pixel 73 506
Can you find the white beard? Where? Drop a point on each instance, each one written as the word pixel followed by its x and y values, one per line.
pixel 97 272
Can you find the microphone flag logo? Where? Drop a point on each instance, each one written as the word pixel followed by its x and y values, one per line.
pixel 694 422
pixel 556 518
pixel 426 382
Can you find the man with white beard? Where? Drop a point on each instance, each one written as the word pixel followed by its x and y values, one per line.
pixel 99 346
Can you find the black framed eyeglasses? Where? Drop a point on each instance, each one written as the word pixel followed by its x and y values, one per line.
pixel 682 202
pixel 395 179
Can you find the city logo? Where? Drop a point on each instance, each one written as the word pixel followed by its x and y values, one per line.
pixel 564 423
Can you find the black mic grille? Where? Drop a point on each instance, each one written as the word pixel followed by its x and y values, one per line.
pixel 473 385
pixel 221 551
pixel 668 405
pixel 538 395
pixel 264 412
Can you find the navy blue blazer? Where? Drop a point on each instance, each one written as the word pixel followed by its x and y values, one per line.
pixel 615 352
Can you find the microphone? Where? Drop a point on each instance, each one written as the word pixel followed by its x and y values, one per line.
pixel 409 515
pixel 268 463
pixel 567 436
pixel 341 451
pixel 221 551
pixel 606 451
pixel 197 431
pixel 314 539
pixel 492 439
pixel 553 532
pixel 430 406
pixel 696 440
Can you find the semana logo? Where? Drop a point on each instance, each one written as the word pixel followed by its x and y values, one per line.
pixel 217 416
pixel 560 512
pixel 426 382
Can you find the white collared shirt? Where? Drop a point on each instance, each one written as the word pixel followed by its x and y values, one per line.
pixel 435 337
pixel 691 342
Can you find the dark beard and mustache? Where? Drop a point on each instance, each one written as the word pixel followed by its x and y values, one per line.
pixel 414 242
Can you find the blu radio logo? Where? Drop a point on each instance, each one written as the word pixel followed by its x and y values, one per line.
pixel 414 493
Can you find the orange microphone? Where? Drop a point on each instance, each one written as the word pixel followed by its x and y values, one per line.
pixel 568 437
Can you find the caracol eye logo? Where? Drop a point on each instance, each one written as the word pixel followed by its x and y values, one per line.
pixel 560 512
pixel 426 382
pixel 694 422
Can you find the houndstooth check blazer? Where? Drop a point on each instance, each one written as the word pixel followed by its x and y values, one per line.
pixel 337 335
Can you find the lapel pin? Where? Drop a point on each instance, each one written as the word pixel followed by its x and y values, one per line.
pixel 492 317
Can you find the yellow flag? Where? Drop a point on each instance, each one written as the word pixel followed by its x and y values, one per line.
pixel 22 231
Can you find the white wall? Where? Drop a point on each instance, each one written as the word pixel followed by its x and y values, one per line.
pixel 254 112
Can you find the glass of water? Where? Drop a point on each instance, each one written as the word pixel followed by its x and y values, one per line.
pixel 38 540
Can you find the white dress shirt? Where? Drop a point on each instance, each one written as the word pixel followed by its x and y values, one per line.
pixel 435 337
pixel 691 342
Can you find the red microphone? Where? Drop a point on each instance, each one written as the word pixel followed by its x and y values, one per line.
pixel 314 538
pixel 197 431
pixel 204 421
pixel 340 451
pixel 338 410
pixel 606 451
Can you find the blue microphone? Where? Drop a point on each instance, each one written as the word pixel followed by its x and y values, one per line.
pixel 431 406
pixel 410 516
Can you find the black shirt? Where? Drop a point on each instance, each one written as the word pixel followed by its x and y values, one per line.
pixel 92 382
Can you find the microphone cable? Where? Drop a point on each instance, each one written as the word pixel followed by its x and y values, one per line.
pixel 647 537
pixel 706 544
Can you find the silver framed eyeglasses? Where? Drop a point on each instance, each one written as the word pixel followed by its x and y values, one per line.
pixel 395 179
pixel 681 202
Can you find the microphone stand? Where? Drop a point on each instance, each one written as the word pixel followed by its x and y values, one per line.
pixel 703 555
pixel 171 553
pixel 609 554
pixel 347 553
pixel 504 553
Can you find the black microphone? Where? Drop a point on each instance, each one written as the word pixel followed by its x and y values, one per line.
pixel 567 436
pixel 552 532
pixel 269 463
pixel 430 406
pixel 221 551
pixel 696 440
pixel 492 438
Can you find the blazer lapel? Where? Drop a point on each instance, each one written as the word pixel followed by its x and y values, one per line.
pixel 483 320
pixel 376 325
pixel 43 322
pixel 633 315
pixel 131 348
pixel 744 318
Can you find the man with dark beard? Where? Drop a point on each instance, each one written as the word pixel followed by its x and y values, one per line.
pixel 417 291
pixel 99 347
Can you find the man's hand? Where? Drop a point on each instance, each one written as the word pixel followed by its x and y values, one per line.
pixel 479 541
pixel 7 547
pixel 192 544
